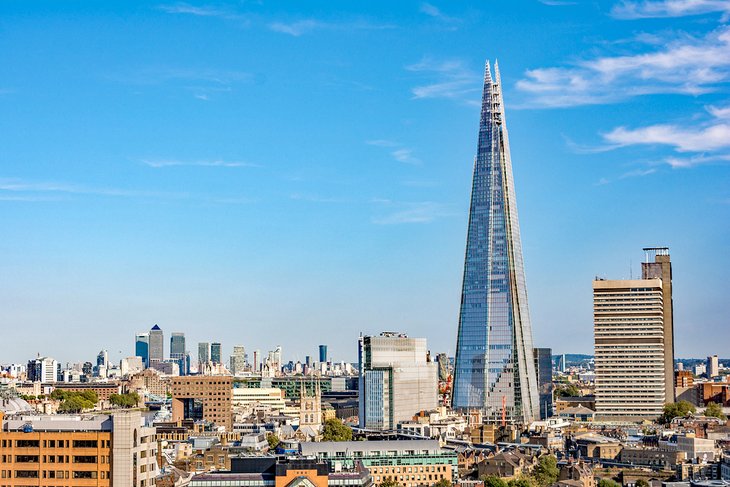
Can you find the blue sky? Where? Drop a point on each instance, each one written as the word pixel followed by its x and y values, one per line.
pixel 296 173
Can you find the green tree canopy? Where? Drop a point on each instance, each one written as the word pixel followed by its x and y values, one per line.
pixel 388 482
pixel 715 410
pixel 521 482
pixel 493 481
pixel 443 483
pixel 567 390
pixel 641 483
pixel 676 410
pixel 608 483
pixel 273 440
pixel 546 471
pixel 75 404
pixel 336 430
pixel 128 400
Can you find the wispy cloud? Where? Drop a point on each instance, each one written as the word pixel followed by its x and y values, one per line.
pixel 22 186
pixel 397 151
pixel 698 142
pixel 669 8
pixel 433 11
pixel 315 198
pixel 304 26
pixel 394 213
pixel 203 11
pixel 158 163
pixel 449 79
pixel 685 65
pixel 557 3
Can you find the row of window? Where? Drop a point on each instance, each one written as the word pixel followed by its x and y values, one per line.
pixel 55 459
pixel 57 443
pixel 51 474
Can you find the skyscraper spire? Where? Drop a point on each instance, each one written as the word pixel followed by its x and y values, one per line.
pixel 494 369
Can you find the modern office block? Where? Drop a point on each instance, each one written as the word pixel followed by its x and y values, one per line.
pixel 544 366
pixel 157 345
pixel 397 380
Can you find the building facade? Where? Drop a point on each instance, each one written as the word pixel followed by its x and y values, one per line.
pixel 323 354
pixel 494 369
pixel 203 397
pixel 544 367
pixel 215 353
pixel 238 360
pixel 157 345
pixel 142 347
pixel 397 380
pixel 713 367
pixel 628 317
pixel 203 354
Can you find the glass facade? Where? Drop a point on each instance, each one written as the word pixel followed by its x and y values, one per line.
pixel 494 370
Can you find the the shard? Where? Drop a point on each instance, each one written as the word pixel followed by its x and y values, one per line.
pixel 494 370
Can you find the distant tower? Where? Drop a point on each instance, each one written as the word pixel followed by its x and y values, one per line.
pixel 203 355
pixel 177 351
pixel 102 360
pixel 238 359
pixel 494 368
pixel 142 348
pixel 157 345
pixel 215 353
pixel 713 367
pixel 323 353
pixel 257 361
pixel 310 407
pixel 544 366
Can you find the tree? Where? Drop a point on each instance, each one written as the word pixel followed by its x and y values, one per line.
pixel 714 410
pixel 546 471
pixel 676 410
pixel 128 400
pixel 567 390
pixel 273 440
pixel 493 481
pixel 608 483
pixel 336 430
pixel 443 483
pixel 522 481
pixel 389 482
pixel 75 404
pixel 641 483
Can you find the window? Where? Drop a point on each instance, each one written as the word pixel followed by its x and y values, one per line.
pixel 27 443
pixel 85 443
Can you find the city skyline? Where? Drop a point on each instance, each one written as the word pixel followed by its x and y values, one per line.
pixel 236 170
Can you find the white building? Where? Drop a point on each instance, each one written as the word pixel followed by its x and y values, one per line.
pixel 397 380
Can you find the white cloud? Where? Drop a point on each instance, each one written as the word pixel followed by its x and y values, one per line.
pixel 399 153
pixel 305 26
pixel 410 212
pixel 557 3
pixel 699 142
pixel 435 12
pixel 450 79
pixel 686 65
pixel 157 163
pixel 669 8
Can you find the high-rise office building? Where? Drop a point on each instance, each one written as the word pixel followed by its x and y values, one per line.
pixel 177 351
pixel 142 347
pixel 661 268
pixel 157 345
pixel 544 366
pixel 257 361
pixel 203 354
pixel 238 359
pixel 102 359
pixel 177 345
pixel 215 353
pixel 323 353
pixel 43 369
pixel 713 367
pixel 494 368
pixel 628 317
pixel 397 380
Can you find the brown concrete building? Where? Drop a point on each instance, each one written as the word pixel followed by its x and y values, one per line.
pixel 717 392
pixel 683 378
pixel 82 451
pixel 103 390
pixel 563 403
pixel 507 464
pixel 203 397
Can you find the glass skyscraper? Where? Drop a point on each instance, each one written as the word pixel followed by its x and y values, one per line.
pixel 494 369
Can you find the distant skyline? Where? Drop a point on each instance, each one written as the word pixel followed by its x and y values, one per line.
pixel 297 173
